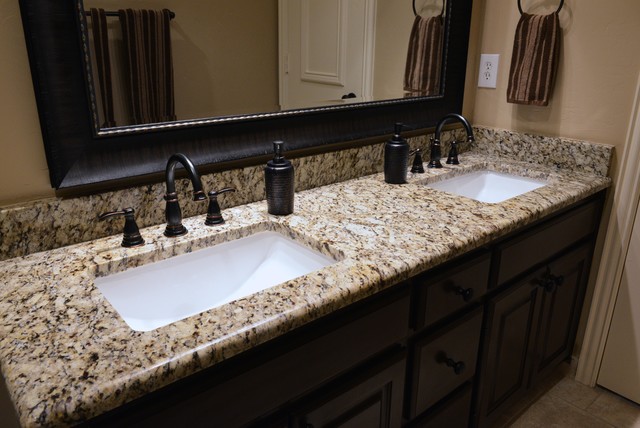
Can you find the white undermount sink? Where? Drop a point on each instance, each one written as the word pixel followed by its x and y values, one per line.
pixel 160 293
pixel 488 186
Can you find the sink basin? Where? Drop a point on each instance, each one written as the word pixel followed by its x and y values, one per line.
pixel 488 186
pixel 160 293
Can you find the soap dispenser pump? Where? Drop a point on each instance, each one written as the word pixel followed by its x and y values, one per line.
pixel 279 182
pixel 396 158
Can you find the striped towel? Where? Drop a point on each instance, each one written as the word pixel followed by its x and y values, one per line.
pixel 147 39
pixel 536 51
pixel 103 63
pixel 424 56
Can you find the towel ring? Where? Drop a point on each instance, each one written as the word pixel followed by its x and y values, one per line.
pixel 415 13
pixel 519 6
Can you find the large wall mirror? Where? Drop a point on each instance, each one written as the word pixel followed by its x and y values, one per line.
pixel 244 74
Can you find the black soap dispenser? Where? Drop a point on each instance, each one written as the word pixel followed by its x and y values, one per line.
pixel 396 158
pixel 279 181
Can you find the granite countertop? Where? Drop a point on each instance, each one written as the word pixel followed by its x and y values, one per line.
pixel 66 355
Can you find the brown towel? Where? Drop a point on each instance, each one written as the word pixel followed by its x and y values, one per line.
pixel 147 40
pixel 103 62
pixel 424 56
pixel 536 51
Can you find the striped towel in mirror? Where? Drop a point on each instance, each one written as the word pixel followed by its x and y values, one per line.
pixel 424 56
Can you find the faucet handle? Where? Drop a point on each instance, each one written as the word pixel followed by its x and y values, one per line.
pixel 417 166
pixel 198 195
pixel 452 159
pixel 435 154
pixel 131 235
pixel 214 216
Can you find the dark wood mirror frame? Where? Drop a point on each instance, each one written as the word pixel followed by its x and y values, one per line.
pixel 81 160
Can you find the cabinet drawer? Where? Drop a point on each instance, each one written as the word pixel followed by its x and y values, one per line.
pixel 454 288
pixel 444 361
pixel 543 241
pixel 454 412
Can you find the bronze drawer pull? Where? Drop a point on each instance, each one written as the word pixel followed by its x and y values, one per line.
pixel 457 366
pixel 549 281
pixel 466 293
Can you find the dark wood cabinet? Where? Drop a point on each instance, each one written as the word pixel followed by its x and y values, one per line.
pixel 531 328
pixel 564 282
pixel 371 399
pixel 511 323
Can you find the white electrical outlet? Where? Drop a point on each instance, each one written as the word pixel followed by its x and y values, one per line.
pixel 488 73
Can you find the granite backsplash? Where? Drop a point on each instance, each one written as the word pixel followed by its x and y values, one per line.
pixel 55 222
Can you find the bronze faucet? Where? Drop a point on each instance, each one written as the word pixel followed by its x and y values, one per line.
pixel 173 212
pixel 435 143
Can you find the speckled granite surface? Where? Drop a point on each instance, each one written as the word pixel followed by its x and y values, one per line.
pixel 52 223
pixel 563 153
pixel 66 354
pixel 55 222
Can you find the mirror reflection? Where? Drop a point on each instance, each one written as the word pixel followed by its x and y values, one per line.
pixel 170 60
pixel 424 57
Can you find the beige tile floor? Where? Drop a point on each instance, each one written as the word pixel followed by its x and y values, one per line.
pixel 564 403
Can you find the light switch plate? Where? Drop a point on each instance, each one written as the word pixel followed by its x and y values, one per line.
pixel 488 74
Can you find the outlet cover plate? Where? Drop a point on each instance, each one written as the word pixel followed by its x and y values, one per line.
pixel 488 73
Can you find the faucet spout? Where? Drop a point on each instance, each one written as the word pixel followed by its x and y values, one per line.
pixel 435 144
pixel 173 213
pixel 459 118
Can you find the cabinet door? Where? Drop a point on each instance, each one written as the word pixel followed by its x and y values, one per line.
pixel 373 399
pixel 512 318
pixel 564 283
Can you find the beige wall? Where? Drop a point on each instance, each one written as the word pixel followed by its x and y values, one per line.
pixel 23 167
pixel 597 73
pixel 393 26
pixel 226 57
pixel 592 100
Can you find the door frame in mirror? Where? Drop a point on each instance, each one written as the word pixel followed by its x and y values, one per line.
pixel 79 159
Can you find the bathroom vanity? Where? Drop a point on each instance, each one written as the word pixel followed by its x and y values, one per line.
pixel 439 307
pixel 411 352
